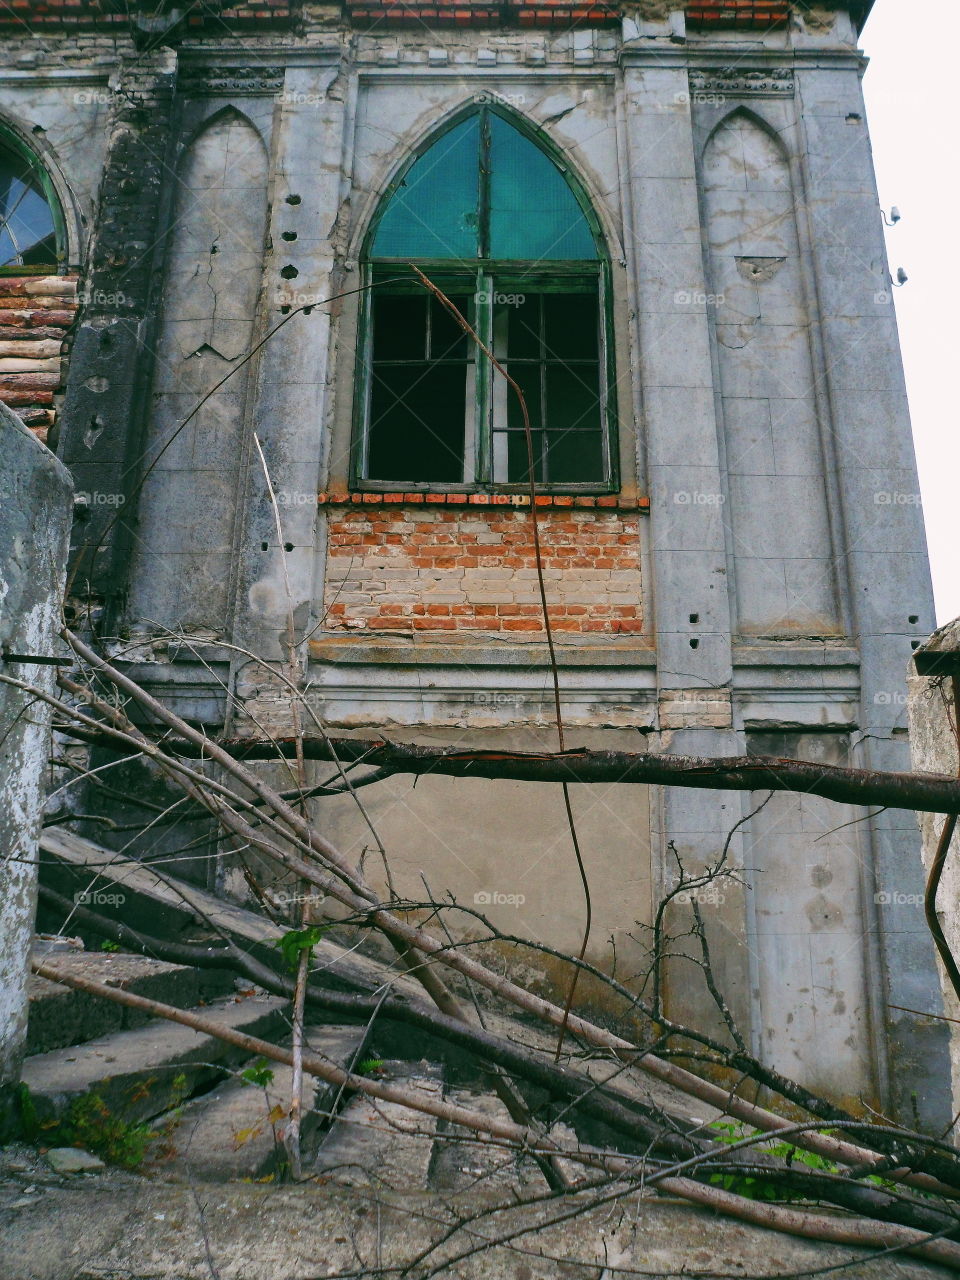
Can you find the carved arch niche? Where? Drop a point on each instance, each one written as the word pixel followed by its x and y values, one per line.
pixel 778 513
pixel 213 275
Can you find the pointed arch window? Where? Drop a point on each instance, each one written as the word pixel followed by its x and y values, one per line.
pixel 500 225
pixel 31 227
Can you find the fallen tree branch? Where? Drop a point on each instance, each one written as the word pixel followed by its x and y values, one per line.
pixel 924 792
pixel 863 1232
pixel 605 1103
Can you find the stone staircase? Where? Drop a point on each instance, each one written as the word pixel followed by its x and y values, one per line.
pixel 213 1122
pixel 209 1186
pixel 108 1065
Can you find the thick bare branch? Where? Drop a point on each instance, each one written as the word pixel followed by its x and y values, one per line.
pixel 924 792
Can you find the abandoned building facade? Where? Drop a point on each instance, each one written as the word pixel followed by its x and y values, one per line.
pixel 662 219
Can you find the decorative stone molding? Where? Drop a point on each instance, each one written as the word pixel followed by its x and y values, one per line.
pixel 738 82
pixel 231 82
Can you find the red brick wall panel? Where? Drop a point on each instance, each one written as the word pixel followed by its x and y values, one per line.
pixel 471 568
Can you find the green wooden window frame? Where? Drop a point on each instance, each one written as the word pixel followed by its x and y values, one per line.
pixel 26 186
pixel 486 287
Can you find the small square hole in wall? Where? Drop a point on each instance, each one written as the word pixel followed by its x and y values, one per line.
pixel 913 619
pixel 695 643
pixel 694 617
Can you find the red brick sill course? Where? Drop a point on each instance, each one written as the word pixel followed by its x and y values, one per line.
pixel 554 500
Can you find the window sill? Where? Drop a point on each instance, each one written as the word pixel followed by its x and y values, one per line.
pixel 406 498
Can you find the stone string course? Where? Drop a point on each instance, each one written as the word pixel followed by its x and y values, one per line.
pixel 433 568
pixel 36 313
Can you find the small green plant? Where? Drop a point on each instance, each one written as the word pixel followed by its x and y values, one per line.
pixel 258 1073
pixel 29 1118
pixel 91 1124
pixel 369 1066
pixel 107 945
pixel 296 940
pixel 754 1188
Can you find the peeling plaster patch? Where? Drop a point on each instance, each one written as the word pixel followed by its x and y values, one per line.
pixel 817 18
pixel 759 270
pixel 656 10
pixel 736 336
pixel 94 431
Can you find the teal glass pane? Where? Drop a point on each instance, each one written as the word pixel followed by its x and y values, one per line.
pixel 434 211
pixel 534 214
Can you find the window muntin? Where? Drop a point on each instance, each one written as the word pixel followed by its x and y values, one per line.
pixel 28 224
pixel 487 202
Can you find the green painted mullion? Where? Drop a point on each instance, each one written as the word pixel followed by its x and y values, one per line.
pixel 483 230
pixel 483 381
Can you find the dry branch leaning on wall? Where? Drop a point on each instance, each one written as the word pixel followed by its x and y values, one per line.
pixel 674 1159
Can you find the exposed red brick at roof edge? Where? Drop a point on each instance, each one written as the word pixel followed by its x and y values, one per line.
pixel 751 14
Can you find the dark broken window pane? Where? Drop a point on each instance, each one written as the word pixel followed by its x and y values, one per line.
pixel 522 322
pixel 574 457
pixel 399 327
pixel 570 324
pixel 527 378
pixel 448 341
pixel 417 423
pixel 572 396
pixel 518 457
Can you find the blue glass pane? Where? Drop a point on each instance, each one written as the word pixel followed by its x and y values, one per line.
pixel 434 212
pixel 27 234
pixel 534 214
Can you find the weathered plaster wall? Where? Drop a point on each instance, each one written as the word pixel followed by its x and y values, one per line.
pixel 503 849
pixel 34 530
pixel 935 748
pixel 182 561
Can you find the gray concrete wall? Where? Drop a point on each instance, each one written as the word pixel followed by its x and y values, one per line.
pixel 34 532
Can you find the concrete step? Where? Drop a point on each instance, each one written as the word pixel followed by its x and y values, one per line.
pixel 381 1144
pixel 464 1163
pixel 160 908
pixel 236 1130
pixel 61 1016
pixel 139 1073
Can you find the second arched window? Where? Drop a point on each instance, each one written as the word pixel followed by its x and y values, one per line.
pixel 500 226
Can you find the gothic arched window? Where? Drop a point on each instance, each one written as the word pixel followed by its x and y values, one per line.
pixel 30 226
pixel 499 225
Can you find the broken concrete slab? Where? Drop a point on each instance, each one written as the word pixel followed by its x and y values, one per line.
pixel 373 1143
pixel 147 1070
pixel 73 1160
pixel 130 1228
pixel 237 1130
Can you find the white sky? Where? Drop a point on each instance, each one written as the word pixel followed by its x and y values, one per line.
pixel 911 92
